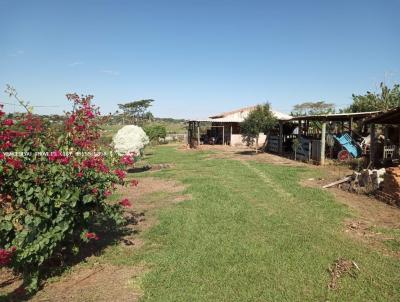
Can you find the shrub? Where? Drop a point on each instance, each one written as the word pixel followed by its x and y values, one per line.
pixel 155 132
pixel 53 187
pixel 130 139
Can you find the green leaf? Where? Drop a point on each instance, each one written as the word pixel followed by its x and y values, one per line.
pixel 30 191
pixel 6 226
pixel 87 198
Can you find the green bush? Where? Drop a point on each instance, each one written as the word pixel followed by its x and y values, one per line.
pixel 54 187
pixel 155 132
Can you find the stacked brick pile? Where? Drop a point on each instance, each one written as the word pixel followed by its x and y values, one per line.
pixel 391 184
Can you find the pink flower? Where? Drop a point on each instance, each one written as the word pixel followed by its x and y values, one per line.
pixel 71 120
pixel 79 175
pixel 121 174
pixel 64 160
pixel 127 159
pixel 95 190
pixel 6 255
pixel 2 156
pixel 59 157
pixel 92 236
pixel 125 203
pixel 8 122
pixel 7 144
pixel 53 156
pixel 89 113
pixel 107 193
pixel 16 163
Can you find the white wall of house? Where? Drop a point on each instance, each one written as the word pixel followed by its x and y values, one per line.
pixel 237 140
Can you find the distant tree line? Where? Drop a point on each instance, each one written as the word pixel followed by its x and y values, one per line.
pixel 386 99
pixel 313 108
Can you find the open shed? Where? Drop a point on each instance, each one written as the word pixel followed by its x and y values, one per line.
pixel 314 132
pixel 385 146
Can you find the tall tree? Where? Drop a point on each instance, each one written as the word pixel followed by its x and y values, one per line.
pixel 386 99
pixel 259 120
pixel 313 108
pixel 136 111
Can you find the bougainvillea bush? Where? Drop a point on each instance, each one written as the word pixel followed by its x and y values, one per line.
pixel 54 187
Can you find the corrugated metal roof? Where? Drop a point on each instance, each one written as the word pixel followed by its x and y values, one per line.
pixel 285 117
pixel 389 117
pixel 215 120
pixel 336 116
pixel 239 115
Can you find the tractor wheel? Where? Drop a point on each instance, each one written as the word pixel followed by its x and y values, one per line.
pixel 344 155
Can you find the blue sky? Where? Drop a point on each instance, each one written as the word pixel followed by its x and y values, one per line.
pixel 196 58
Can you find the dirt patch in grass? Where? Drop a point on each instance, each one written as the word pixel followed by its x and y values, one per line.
pixel 150 194
pixel 99 283
pixel 369 209
pixel 246 154
pixel 9 282
pixel 340 268
pixel 370 215
pixel 149 185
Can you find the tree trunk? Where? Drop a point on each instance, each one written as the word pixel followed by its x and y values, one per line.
pixel 257 144
pixel 264 146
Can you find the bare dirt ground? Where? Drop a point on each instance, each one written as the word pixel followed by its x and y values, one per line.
pixel 101 281
pixel 245 153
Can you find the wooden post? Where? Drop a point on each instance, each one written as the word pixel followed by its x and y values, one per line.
pixel 230 141
pixel 372 146
pixel 280 137
pixel 300 132
pixel 307 127
pixel 323 135
pixel 223 134
pixel 351 126
pixel 198 134
pixel 188 133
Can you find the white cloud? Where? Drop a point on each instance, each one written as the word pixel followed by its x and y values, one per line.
pixel 19 52
pixel 73 64
pixel 110 72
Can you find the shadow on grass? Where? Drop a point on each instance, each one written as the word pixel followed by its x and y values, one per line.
pixel 248 152
pixel 109 234
pixel 139 169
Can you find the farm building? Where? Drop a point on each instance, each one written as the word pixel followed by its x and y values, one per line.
pixel 224 128
pixel 322 135
pixel 335 136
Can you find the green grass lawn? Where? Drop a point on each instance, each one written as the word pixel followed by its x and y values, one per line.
pixel 252 233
